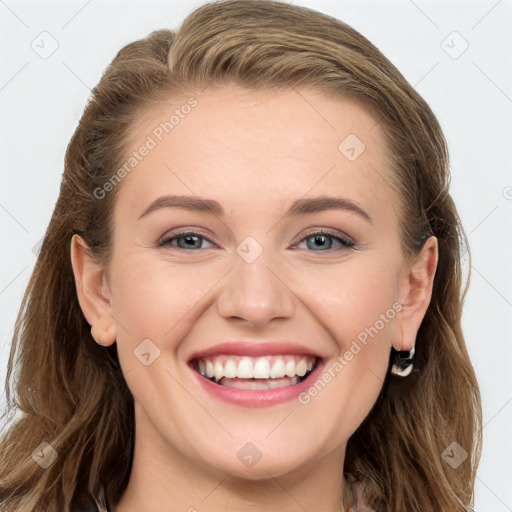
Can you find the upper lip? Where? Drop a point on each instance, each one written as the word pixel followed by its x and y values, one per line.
pixel 255 349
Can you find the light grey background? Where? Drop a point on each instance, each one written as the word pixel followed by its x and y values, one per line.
pixel 470 90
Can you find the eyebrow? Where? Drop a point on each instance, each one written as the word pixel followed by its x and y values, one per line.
pixel 299 207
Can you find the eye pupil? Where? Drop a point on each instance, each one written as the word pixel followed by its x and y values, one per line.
pixel 315 241
pixel 321 240
pixel 191 240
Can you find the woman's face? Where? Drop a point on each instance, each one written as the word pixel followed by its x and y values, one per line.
pixel 257 232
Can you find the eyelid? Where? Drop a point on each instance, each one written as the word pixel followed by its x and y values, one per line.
pixel 170 235
pixel 347 241
pixel 350 242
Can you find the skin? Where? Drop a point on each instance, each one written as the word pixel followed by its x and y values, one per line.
pixel 255 153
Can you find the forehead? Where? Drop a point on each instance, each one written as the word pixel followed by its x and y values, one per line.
pixel 242 147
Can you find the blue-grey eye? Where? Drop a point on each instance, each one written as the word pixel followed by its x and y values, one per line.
pixel 324 241
pixel 186 240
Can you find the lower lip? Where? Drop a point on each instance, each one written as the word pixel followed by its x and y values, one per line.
pixel 258 397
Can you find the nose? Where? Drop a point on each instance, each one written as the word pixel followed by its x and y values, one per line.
pixel 255 294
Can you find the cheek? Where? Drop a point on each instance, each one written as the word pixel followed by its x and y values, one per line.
pixel 350 298
pixel 346 390
pixel 354 304
pixel 154 297
pixel 160 302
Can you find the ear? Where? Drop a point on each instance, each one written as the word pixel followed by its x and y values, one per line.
pixel 416 291
pixel 93 291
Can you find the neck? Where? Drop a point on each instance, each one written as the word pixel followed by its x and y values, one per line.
pixel 163 480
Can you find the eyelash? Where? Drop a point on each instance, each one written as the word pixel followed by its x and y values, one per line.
pixel 344 242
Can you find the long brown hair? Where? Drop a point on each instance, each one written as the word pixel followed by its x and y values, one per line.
pixel 69 392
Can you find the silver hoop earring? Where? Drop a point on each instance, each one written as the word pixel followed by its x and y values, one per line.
pixel 403 364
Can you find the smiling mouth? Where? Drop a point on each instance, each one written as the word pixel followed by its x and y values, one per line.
pixel 263 372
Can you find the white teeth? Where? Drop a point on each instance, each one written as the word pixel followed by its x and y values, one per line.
pixel 278 369
pixel 230 369
pixel 209 369
pixel 290 368
pixel 301 368
pixel 262 369
pixel 273 384
pixel 259 383
pixel 219 370
pixel 245 370
pixel 245 384
pixel 266 367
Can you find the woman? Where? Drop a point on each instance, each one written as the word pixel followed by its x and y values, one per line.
pixel 249 293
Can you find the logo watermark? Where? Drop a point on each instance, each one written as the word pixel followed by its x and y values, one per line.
pixel 355 347
pixel 144 150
